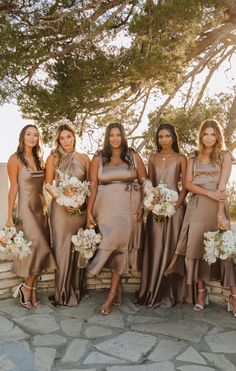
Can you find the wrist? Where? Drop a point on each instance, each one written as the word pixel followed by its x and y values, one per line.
pixel 209 194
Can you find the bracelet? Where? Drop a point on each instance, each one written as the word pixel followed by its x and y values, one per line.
pixel 209 194
pixel 220 216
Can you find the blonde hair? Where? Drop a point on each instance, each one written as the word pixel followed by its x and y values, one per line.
pixel 219 146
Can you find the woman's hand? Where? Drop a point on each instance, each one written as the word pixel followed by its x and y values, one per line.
pixel 139 213
pixel 219 196
pixel 90 221
pixel 223 222
pixel 71 209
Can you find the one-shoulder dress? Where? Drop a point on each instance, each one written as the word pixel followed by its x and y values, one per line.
pixel 32 212
pixel 201 217
pixel 160 243
pixel 69 278
pixel 117 199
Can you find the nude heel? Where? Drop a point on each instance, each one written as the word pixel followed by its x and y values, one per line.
pixel 199 307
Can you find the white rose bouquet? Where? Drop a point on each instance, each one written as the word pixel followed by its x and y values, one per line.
pixel 160 200
pixel 70 191
pixel 13 243
pixel 219 245
pixel 86 242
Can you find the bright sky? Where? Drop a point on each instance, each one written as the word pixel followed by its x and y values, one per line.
pixel 12 122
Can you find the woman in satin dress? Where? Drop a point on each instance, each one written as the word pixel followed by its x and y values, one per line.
pixel 208 171
pixel 26 175
pixel 70 283
pixel 115 204
pixel 167 166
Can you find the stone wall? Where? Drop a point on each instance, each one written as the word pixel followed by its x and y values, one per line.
pixel 130 283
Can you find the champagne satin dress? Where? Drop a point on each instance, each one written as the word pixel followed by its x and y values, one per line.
pixel 117 199
pixel 32 211
pixel 70 282
pixel 200 217
pixel 161 241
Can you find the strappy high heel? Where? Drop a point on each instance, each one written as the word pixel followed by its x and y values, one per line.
pixel 37 304
pixel 18 292
pixel 199 307
pixel 118 300
pixel 106 308
pixel 230 306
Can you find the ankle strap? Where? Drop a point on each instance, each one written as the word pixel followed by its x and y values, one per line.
pixel 28 287
pixel 201 290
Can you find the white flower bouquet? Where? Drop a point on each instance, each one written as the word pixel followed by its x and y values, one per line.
pixel 13 243
pixel 86 242
pixel 70 191
pixel 219 245
pixel 160 200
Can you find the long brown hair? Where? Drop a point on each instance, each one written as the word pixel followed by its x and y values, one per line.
pixel 219 146
pixel 125 154
pixel 57 151
pixel 37 150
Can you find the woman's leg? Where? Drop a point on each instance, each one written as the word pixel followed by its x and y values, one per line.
pixel 115 281
pixel 202 297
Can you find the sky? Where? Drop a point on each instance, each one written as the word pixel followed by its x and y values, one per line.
pixel 11 121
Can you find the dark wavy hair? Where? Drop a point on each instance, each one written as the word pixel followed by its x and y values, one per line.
pixel 125 154
pixel 37 150
pixel 171 129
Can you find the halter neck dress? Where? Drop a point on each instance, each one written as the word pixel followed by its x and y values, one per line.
pixel 70 282
pixel 32 211
pixel 117 199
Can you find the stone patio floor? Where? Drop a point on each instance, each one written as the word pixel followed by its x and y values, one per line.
pixel 131 338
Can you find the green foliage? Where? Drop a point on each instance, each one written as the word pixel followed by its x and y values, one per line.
pixel 187 122
pixel 62 59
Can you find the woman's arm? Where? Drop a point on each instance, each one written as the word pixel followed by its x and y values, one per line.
pixel 142 175
pixel 223 223
pixel 50 174
pixel 215 195
pixel 150 168
pixel 13 170
pixel 183 192
pixel 93 178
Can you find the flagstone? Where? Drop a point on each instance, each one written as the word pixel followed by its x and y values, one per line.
pixel 131 346
pixel 223 342
pixel 49 340
pixel 38 323
pixel 44 358
pixel 192 356
pixel 15 354
pixel 72 327
pixel 195 368
pixel 14 334
pixel 179 329
pixel 219 361
pixel 159 366
pixel 5 325
pixel 115 319
pixel 144 319
pixel 13 308
pixel 100 358
pixel 94 332
pixel 165 350
pixel 76 350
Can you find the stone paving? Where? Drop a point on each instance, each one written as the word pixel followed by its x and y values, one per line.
pixel 131 338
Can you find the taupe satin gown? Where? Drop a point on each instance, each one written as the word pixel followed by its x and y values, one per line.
pixel 160 243
pixel 200 217
pixel 69 279
pixel 117 199
pixel 32 211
